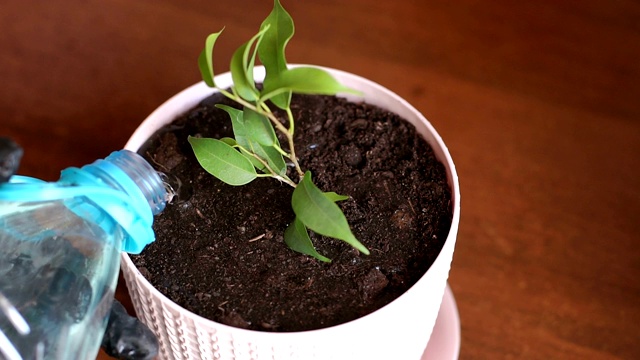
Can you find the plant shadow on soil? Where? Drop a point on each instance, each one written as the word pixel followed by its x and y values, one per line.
pixel 220 251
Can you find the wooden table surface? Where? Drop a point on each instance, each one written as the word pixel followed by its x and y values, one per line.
pixel 538 102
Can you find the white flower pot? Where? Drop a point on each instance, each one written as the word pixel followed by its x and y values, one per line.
pixel 399 330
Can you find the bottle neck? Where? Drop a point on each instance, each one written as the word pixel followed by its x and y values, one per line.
pixel 141 193
pixel 127 171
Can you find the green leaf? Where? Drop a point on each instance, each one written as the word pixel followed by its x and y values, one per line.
pixel 272 49
pixel 305 80
pixel 229 141
pixel 268 154
pixel 335 197
pixel 237 123
pixel 320 214
pixel 297 239
pixel 259 128
pixel 223 161
pixel 242 63
pixel 233 112
pixel 272 156
pixel 243 136
pixel 240 133
pixel 205 60
pixel 279 30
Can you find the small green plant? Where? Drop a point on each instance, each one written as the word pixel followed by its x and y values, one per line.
pixel 255 150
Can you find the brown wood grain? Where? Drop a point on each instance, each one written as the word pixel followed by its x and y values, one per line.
pixel 539 103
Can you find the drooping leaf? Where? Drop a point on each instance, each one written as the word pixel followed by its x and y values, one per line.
pixel 259 128
pixel 272 49
pixel 205 60
pixel 305 80
pixel 319 213
pixel 242 63
pixel 243 136
pixel 223 161
pixel 297 239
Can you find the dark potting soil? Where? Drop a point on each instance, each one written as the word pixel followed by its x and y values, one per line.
pixel 220 251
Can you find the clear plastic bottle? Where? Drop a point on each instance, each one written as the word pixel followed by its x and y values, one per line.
pixel 60 247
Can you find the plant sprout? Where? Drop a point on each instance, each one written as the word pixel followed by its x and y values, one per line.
pixel 255 150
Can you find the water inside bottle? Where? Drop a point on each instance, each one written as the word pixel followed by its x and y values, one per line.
pixel 57 270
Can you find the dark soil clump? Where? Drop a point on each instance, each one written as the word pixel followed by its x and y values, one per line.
pixel 220 251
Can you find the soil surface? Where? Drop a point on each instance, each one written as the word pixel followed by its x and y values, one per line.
pixel 220 251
